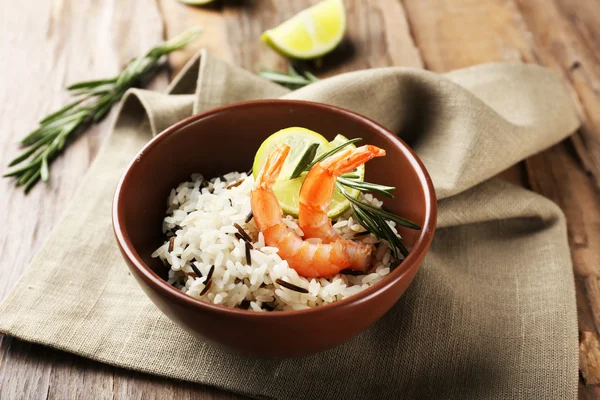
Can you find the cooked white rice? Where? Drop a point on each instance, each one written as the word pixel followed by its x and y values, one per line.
pixel 200 223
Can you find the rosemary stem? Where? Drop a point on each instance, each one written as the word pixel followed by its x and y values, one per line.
pixel 93 99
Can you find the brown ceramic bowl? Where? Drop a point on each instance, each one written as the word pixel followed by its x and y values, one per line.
pixel 225 139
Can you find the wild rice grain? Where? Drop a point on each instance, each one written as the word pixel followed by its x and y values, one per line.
pixel 242 232
pixel 351 272
pixel 240 237
pixel 245 304
pixel 196 270
pixel 210 273
pixel 235 184
pixel 171 243
pixel 249 217
pixel 290 286
pixel 206 287
pixel 248 258
pixel 359 234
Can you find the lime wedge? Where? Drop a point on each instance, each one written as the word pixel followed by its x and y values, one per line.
pixel 311 33
pixel 288 190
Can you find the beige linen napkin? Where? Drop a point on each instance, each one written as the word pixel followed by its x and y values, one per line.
pixel 490 315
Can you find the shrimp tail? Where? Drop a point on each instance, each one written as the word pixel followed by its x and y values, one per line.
pixel 265 206
pixel 349 159
pixel 268 175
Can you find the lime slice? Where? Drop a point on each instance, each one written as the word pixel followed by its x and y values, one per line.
pixel 299 140
pixel 288 190
pixel 311 33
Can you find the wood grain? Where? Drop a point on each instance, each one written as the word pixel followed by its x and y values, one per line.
pixel 563 36
pixel 69 40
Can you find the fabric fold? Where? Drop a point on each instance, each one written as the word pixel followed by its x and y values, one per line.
pixel 491 314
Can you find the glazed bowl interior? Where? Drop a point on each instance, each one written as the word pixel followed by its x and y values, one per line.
pixel 227 139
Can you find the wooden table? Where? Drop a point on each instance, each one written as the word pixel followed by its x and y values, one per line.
pixel 51 43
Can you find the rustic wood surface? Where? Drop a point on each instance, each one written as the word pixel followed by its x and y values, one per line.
pixel 56 42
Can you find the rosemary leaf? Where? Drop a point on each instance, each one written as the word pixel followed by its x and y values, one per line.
pixel 366 221
pixel 332 152
pixel 94 91
pixel 32 181
pixel 292 71
pixel 16 172
pixel 282 78
pixel 293 79
pixel 103 110
pixel 60 112
pixel 39 133
pixel 305 160
pixel 367 186
pixel 61 142
pixel 51 127
pixel 25 177
pixel 394 240
pixel 310 76
pixel 91 84
pixel 378 211
pixel 44 168
pixel 27 153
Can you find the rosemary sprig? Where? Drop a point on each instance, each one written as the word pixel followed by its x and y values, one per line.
pixel 372 218
pixel 376 223
pixel 292 79
pixel 93 100
pixel 366 186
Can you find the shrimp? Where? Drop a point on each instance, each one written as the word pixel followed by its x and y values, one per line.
pixel 309 258
pixel 319 185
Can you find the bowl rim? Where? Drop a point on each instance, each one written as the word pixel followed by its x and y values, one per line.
pixel 410 263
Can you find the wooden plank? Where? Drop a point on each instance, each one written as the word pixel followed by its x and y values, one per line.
pixel 565 35
pixel 133 385
pixel 24 372
pixel 65 41
pixel 453 34
pixel 562 35
pixel 73 377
